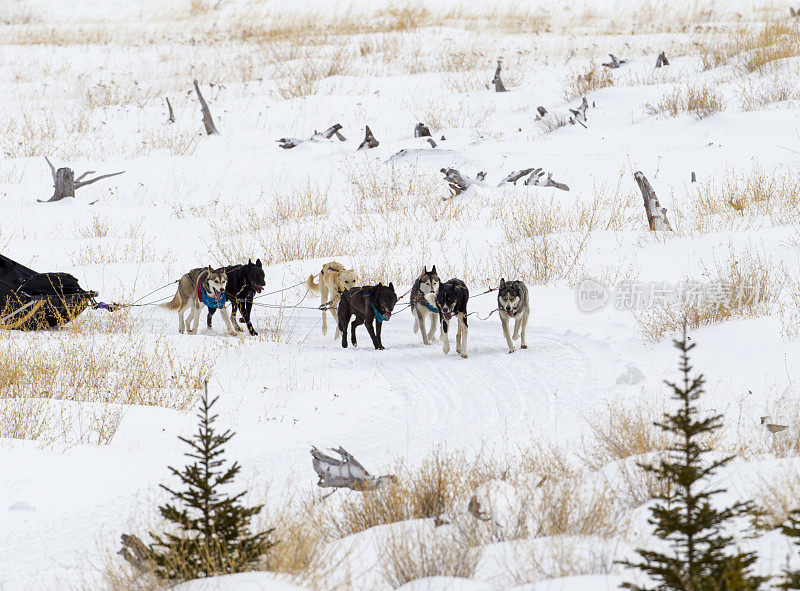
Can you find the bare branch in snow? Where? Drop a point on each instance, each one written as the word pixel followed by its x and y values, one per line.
pixel 656 215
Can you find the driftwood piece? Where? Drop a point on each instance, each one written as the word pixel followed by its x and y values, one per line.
pixel 287 143
pixel 615 62
pixel 497 81
pixel 662 60
pixel 578 116
pixel 536 180
pixel 542 112
pixel 135 552
pixel 369 140
pixel 65 184
pixel 421 130
pixel 171 117
pixel 694 177
pixel 656 215
pixel 431 142
pixel 460 182
pixel 344 471
pixel 515 176
pixel 333 130
pixel 208 121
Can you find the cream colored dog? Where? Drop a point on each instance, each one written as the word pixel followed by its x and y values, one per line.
pixel 334 279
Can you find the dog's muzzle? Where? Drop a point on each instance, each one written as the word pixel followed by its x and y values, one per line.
pixel 259 288
pixel 447 315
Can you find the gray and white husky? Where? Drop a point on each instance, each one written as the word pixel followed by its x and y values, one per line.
pixel 191 288
pixel 423 303
pixel 513 302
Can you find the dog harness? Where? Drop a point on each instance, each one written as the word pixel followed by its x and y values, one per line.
pixel 433 309
pixel 378 316
pixel 203 296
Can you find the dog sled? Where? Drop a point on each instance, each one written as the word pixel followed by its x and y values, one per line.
pixel 35 301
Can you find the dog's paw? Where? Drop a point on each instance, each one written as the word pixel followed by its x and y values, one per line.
pixel 253 333
pixel 464 355
pixel 511 350
pixel 524 347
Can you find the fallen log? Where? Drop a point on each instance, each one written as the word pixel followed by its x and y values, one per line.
pixel 536 180
pixel 287 143
pixel 460 182
pixel 65 184
pixel 615 62
pixel 208 121
pixel 656 215
pixel 579 115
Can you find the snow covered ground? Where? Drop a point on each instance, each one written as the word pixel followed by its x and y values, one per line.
pixel 82 451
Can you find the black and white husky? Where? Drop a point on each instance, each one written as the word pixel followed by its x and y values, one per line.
pixel 451 299
pixel 513 302
pixel 423 302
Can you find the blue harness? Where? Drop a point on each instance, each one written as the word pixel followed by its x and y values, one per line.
pixel 212 302
pixel 378 316
pixel 433 309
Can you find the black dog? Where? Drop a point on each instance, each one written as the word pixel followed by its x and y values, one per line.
pixel 244 281
pixel 368 304
pixel 452 299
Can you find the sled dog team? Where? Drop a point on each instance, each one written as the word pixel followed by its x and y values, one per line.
pixel 351 304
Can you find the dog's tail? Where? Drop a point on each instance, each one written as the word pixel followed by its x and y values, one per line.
pixel 310 283
pixel 175 304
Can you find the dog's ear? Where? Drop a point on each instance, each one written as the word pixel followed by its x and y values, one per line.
pixel 249 261
pixel 502 283
pixel 424 269
pixel 258 262
pixel 433 270
pixel 391 286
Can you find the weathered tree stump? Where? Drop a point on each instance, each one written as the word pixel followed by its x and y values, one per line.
pixel 369 140
pixel 662 60
pixel 497 81
pixel 579 115
pixel 65 184
pixel 656 215
pixel 421 130
pixel 208 121
pixel 171 117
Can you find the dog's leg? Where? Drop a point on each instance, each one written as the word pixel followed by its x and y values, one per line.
pixel 208 318
pixel 378 330
pixel 463 335
pixel 227 318
pixel 343 318
pixel 419 323
pixel 523 343
pixel 445 337
pixel 458 334
pixel 193 320
pixel 234 310
pixel 432 331
pixel 181 322
pixel 334 310
pixel 504 322
pixel 371 330
pixel 356 322
pixel 516 327
pixel 248 307
pixel 323 297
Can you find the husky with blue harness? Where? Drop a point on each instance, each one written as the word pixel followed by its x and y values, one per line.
pixel 369 304
pixel 423 303
pixel 200 287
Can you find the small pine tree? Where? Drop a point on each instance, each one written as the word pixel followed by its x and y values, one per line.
pixel 703 558
pixel 213 535
pixel 791 578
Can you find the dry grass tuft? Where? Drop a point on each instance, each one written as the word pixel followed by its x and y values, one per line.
pixel 748 285
pixel 699 101
pixel 581 84
pixel 776 499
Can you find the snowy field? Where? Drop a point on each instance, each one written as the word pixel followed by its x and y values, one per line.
pixel 90 413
